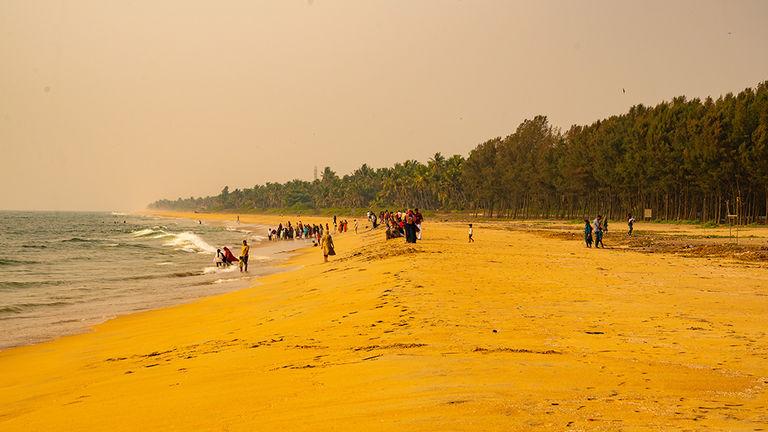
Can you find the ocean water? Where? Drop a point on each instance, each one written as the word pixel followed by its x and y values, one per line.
pixel 61 272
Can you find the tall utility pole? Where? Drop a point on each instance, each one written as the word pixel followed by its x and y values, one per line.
pixel 315 172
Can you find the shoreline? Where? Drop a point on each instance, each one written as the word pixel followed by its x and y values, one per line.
pixel 513 332
pixel 80 321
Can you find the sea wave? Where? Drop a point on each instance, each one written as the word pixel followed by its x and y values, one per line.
pixel 23 307
pixel 143 232
pixel 81 240
pixel 26 284
pixel 184 241
pixel 189 242
pixel 10 309
pixel 155 276
pixel 220 281
pixel 229 269
pixel 13 262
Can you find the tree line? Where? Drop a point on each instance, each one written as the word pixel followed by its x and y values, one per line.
pixel 683 159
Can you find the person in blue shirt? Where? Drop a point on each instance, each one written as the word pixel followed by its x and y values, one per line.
pixel 587 233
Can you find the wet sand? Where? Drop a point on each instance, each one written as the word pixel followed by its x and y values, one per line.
pixel 514 332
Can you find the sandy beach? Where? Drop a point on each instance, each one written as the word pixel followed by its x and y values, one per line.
pixel 517 331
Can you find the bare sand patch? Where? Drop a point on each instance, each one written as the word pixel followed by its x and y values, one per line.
pixel 517 331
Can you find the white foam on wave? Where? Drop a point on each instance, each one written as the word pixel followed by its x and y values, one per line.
pixel 143 232
pixel 209 270
pixel 218 281
pixel 183 241
pixel 189 242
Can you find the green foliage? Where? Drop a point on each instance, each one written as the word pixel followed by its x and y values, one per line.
pixel 687 160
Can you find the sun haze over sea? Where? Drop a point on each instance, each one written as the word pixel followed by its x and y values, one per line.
pixel 110 106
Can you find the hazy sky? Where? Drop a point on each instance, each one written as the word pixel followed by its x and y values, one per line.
pixel 112 104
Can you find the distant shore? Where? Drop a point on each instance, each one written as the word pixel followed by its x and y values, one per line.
pixel 520 330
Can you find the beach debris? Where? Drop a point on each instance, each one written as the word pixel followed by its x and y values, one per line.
pixel 514 350
pixel 392 346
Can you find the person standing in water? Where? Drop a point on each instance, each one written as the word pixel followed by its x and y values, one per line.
pixel 326 244
pixel 244 256
pixel 471 240
pixel 220 260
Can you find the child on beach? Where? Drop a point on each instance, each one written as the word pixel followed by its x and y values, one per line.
pixel 587 233
pixel 471 240
pixel 219 259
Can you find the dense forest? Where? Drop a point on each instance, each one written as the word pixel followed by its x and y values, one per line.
pixel 683 159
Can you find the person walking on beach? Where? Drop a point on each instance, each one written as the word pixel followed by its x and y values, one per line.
pixel 244 256
pixel 598 227
pixel 355 226
pixel 587 233
pixel 471 240
pixel 418 219
pixel 326 244
pixel 630 224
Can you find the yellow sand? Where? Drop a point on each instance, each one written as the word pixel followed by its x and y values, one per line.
pixel 396 337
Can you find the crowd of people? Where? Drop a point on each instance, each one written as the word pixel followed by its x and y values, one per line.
pixel 398 224
pixel 313 232
pixel 320 235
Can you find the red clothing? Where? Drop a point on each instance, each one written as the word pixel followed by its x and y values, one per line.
pixel 228 255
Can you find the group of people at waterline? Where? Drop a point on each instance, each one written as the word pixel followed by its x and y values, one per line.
pixel 225 257
pixel 599 227
pixel 406 223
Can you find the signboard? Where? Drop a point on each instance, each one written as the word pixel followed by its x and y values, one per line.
pixel 647 214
